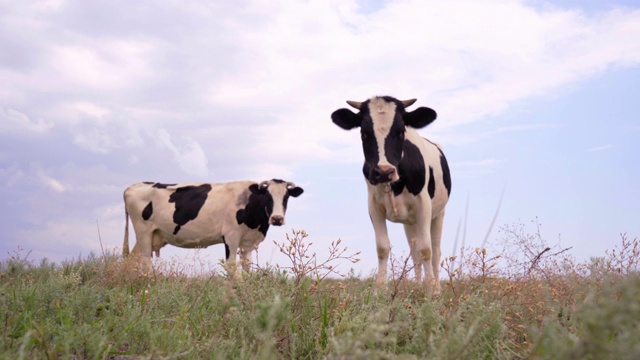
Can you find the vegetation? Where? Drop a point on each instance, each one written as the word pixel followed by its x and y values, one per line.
pixel 525 301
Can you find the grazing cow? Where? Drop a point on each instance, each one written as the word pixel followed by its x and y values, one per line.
pixel 196 215
pixel 407 177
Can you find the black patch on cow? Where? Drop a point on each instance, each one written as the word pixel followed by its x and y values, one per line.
pixel 148 211
pixel 420 117
pixel 346 119
pixel 257 210
pixel 162 186
pixel 431 187
pixel 366 170
pixel 394 142
pixel 189 200
pixel 411 171
pixel 446 175
pixel 226 249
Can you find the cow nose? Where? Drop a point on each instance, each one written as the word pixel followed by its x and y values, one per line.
pixel 383 173
pixel 277 220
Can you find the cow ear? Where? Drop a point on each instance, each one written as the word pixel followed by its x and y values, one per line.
pixel 257 189
pixel 420 117
pixel 296 191
pixel 346 119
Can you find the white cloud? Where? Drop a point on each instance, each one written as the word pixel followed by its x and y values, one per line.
pixel 600 148
pixel 308 59
pixel 190 156
pixel 472 169
pixel 108 65
pixel 46 5
pixel 16 122
pixel 52 183
pixel 79 111
pixel 12 175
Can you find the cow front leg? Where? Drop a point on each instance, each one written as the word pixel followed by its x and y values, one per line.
pixel 425 250
pixel 231 244
pixel 383 245
pixel 416 256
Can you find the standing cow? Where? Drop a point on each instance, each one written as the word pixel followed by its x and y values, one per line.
pixel 407 176
pixel 196 215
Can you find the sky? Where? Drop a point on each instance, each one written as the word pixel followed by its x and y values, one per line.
pixel 537 105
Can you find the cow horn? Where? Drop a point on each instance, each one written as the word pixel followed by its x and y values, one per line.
pixel 409 102
pixel 290 185
pixel 355 104
pixel 264 184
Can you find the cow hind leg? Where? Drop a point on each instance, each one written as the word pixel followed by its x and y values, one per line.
pixel 141 253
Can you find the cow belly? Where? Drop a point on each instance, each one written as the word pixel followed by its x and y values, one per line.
pixel 186 240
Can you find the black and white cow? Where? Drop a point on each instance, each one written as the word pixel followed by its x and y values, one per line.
pixel 196 215
pixel 407 177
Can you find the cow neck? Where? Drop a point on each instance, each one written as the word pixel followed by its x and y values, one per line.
pixel 387 188
pixel 255 214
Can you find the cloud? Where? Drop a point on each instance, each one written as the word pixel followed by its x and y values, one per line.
pixel 600 148
pixel 16 122
pixel 472 169
pixel 190 157
pixel 110 65
pixel 52 183
pixel 299 65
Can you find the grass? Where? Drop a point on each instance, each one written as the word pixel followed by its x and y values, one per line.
pixel 521 303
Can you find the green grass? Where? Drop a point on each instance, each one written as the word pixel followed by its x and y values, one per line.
pixel 102 308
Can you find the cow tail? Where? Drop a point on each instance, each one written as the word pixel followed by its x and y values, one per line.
pixel 125 244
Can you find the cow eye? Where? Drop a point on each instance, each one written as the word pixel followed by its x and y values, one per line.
pixel 364 136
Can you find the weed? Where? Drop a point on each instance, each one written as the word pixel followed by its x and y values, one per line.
pixel 525 299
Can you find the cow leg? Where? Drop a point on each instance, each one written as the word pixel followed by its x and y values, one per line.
pixel 424 246
pixel 412 238
pixel 245 258
pixel 436 236
pixel 141 252
pixel 383 245
pixel 231 243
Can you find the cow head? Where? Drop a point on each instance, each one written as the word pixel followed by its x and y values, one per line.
pixel 276 193
pixel 382 122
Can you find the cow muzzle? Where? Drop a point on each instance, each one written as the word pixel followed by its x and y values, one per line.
pixel 276 220
pixel 383 174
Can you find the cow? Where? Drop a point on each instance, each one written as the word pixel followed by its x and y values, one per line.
pixel 407 176
pixel 196 215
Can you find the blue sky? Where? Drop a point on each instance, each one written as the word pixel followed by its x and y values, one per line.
pixel 537 98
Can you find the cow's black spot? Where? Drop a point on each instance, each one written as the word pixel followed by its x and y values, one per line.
pixel 189 200
pixel 256 212
pixel 446 175
pixel 148 211
pixel 411 171
pixel 431 187
pixel 394 142
pixel 162 186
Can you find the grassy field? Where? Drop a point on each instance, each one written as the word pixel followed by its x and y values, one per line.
pixel 525 300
